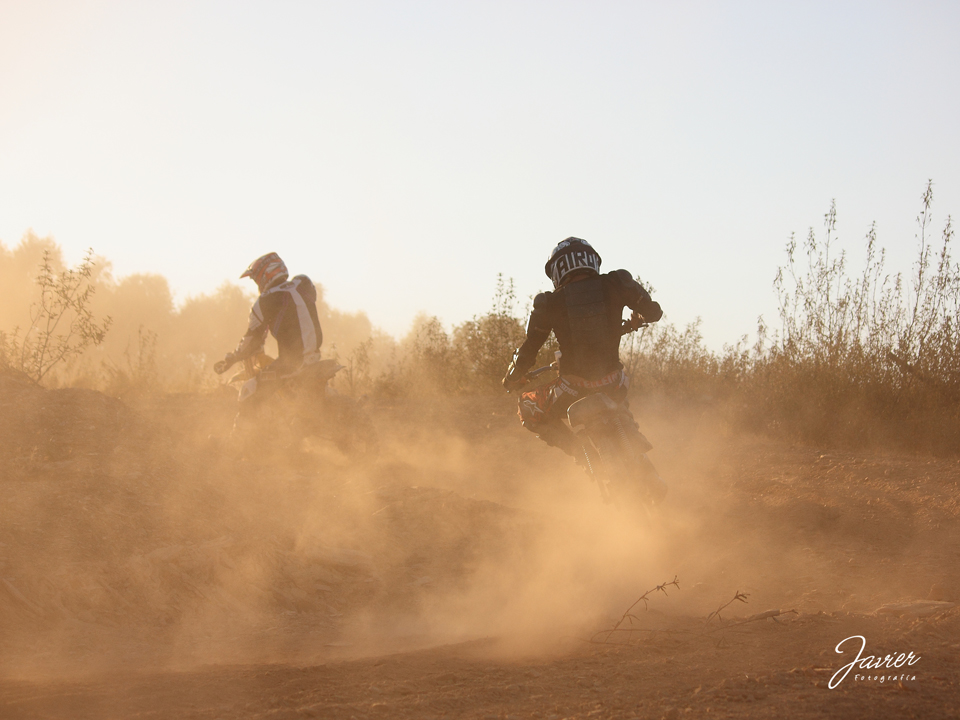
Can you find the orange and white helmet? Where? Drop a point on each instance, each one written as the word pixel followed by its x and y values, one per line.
pixel 266 271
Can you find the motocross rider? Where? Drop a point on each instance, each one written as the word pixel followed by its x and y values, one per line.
pixel 585 313
pixel 286 308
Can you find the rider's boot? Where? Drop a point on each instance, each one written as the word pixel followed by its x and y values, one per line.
pixel 558 435
pixel 584 454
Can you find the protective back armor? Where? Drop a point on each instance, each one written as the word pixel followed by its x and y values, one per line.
pixel 589 321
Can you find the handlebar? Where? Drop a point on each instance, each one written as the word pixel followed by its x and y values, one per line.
pixel 631 325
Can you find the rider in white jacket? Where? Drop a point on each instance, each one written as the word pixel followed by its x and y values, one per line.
pixel 288 310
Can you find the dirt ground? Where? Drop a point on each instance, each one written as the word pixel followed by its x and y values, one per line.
pixel 468 571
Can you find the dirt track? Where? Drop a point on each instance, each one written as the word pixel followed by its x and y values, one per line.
pixel 146 572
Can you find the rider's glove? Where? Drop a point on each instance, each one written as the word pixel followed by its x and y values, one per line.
pixel 651 311
pixel 222 366
pixel 513 380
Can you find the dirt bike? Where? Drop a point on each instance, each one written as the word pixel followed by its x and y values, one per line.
pixel 614 449
pixel 305 405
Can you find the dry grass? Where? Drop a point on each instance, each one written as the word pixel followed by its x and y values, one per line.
pixel 867 359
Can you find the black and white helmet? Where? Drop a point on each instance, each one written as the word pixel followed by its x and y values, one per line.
pixel 570 255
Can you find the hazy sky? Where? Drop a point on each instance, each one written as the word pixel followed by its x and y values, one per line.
pixel 404 153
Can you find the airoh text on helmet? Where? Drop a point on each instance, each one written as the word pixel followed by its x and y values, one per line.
pixel 569 256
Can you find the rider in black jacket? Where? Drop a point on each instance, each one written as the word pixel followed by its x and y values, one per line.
pixel 585 313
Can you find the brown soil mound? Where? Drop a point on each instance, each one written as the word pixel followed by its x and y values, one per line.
pixel 59 424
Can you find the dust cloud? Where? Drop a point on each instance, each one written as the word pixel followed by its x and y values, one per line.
pixel 134 533
pixel 138 537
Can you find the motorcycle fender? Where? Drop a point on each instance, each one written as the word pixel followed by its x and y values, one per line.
pixel 248 389
pixel 587 411
pixel 645 445
pixel 326 369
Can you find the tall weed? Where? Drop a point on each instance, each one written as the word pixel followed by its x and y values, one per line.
pixel 865 358
pixel 62 324
pixel 868 359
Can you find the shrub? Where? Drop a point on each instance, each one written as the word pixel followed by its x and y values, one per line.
pixel 865 360
pixel 62 324
pixel 487 342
